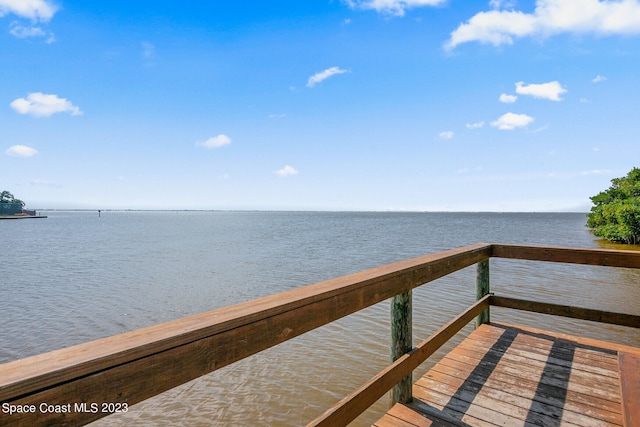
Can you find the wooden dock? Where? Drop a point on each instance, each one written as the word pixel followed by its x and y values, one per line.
pixel 504 375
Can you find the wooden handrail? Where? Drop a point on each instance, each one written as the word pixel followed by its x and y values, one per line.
pixel 601 316
pixel 601 257
pixel 136 365
pixel 140 364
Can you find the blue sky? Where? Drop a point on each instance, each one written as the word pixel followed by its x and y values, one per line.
pixel 330 105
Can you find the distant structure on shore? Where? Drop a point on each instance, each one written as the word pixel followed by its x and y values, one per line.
pixel 12 208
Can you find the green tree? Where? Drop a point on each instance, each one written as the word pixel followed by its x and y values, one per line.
pixel 6 197
pixel 616 212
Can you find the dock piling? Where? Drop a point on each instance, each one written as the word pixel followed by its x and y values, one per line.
pixel 401 342
pixel 482 289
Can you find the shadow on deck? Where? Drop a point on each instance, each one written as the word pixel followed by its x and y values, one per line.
pixel 511 375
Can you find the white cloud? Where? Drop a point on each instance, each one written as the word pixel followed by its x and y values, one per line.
pixel 22 32
pixel 277 116
pixel 551 90
pixel 550 17
pixel 510 121
pixel 446 135
pixel 502 4
pixel 36 10
pixel 508 99
pixel 476 125
pixel 392 7
pixel 21 151
pixel 286 171
pixel 594 172
pixel 323 75
pixel 39 104
pixel 215 141
pixel 598 79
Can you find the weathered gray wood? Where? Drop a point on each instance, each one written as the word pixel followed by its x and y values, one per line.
pixel 482 289
pixel 401 342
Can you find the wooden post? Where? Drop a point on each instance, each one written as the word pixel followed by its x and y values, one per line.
pixel 482 289
pixel 401 343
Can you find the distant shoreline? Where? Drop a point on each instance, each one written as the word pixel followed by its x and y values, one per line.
pixel 22 216
pixel 309 211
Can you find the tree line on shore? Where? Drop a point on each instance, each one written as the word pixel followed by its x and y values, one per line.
pixel 7 197
pixel 615 215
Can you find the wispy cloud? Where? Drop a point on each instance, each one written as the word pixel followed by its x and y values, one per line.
pixel 502 4
pixel 508 99
pixel 476 125
pixel 21 151
pixel 323 75
pixel 467 170
pixel 598 79
pixel 446 134
pixel 286 171
pixel 541 128
pixel 148 50
pixel 551 90
pixel 35 10
pixel 550 17
pixel 44 183
pixel 392 7
pixel 510 121
pixel 594 172
pixel 22 32
pixel 215 141
pixel 39 104
pixel 277 116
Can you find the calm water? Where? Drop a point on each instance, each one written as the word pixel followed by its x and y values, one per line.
pixel 76 277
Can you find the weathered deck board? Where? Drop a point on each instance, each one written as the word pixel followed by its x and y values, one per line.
pixel 630 388
pixel 515 376
pixel 400 416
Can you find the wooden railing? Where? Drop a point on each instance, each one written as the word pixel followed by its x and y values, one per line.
pixel 137 365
